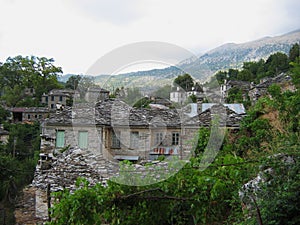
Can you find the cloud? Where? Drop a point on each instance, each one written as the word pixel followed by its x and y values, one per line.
pixel 78 32
pixel 117 12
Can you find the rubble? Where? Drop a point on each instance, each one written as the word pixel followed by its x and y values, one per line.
pixel 71 164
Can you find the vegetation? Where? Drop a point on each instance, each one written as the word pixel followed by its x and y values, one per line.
pixel 37 74
pixel 18 159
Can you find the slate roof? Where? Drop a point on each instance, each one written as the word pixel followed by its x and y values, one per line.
pixel 237 108
pixel 36 110
pixel 113 112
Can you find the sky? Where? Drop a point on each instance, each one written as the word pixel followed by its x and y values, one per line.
pixel 76 33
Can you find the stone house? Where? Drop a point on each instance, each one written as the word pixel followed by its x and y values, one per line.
pixel 178 95
pixel 35 114
pixel 120 132
pixel 242 85
pixel 22 114
pixel 58 97
pixel 261 89
pixel 116 130
pixel 95 94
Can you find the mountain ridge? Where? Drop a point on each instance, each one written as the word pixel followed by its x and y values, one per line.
pixel 223 57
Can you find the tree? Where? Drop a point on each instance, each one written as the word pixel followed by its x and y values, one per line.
pixel 84 84
pixel 221 76
pixel 232 74
pixel 132 95
pixel 73 82
pixel 185 81
pixel 245 75
pixel 294 53
pixel 19 73
pixel 235 95
pixel 277 63
pixel 3 114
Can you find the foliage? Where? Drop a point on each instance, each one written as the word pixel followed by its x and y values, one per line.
pixel 254 71
pixel 189 197
pixel 185 81
pixel 18 159
pixel 85 82
pixel 294 53
pixel 3 114
pixel 235 95
pixel 142 103
pixel 132 96
pixel 23 140
pixel 73 82
pixel 19 73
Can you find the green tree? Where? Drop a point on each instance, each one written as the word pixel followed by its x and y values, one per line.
pixel 294 53
pixel 221 76
pixel 235 95
pixel 19 73
pixel 276 63
pixel 73 82
pixel 3 114
pixel 185 81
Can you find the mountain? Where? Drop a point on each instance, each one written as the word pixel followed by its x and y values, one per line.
pixel 233 55
pixel 226 56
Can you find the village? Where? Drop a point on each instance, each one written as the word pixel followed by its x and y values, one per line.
pixel 90 138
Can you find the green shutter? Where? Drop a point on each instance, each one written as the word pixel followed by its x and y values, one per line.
pixel 83 139
pixel 60 139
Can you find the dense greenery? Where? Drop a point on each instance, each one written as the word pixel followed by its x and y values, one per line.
pixel 254 71
pixel 18 159
pixel 36 74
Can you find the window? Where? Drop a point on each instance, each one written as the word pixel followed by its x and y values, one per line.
pixel 46 99
pixel 28 116
pixel 83 139
pixel 52 98
pixel 60 138
pixel 134 139
pixel 115 141
pixel 52 106
pixel 158 138
pixel 60 98
pixel 175 138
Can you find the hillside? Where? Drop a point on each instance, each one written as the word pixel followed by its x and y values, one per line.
pixel 227 56
pixel 233 55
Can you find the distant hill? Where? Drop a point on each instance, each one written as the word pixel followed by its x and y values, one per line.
pixel 233 55
pixel 227 56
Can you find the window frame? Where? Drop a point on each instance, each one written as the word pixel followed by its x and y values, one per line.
pixel 134 139
pixel 115 139
pixel 60 144
pixel 175 138
pixel 158 138
pixel 85 144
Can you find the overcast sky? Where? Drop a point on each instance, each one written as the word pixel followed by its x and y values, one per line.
pixel 78 32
